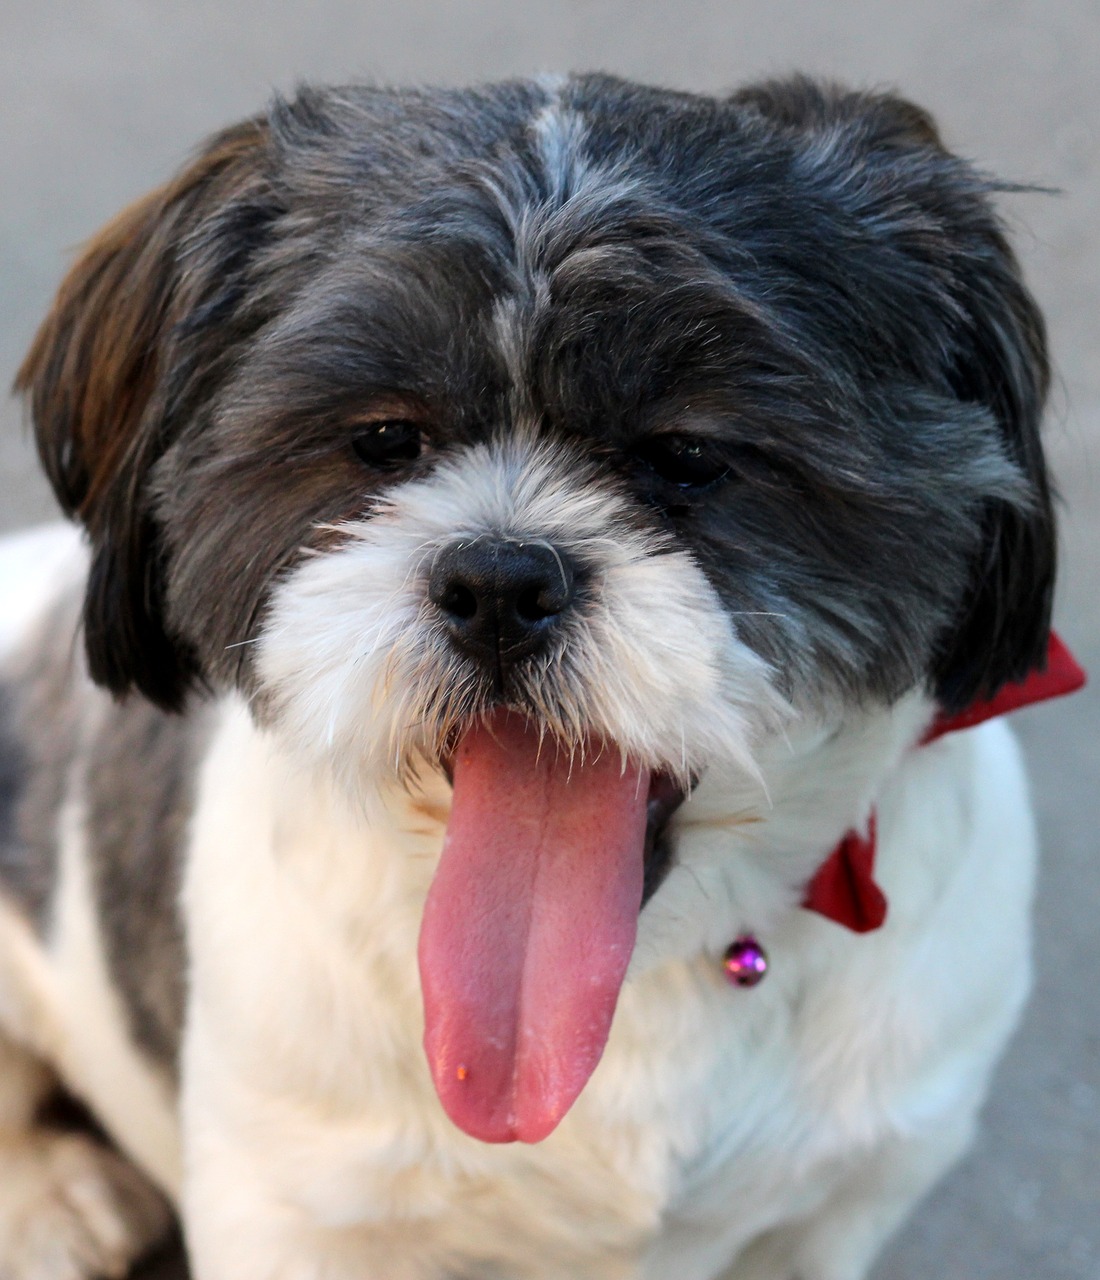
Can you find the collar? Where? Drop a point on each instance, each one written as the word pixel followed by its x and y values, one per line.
pixel 843 888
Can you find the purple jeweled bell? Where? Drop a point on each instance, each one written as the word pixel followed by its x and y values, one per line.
pixel 745 962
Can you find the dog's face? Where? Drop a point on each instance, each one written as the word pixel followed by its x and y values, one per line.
pixel 564 438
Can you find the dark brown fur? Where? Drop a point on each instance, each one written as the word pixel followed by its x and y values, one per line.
pixel 106 374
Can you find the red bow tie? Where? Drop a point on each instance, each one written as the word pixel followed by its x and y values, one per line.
pixel 843 888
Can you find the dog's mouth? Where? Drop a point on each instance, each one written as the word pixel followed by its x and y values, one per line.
pixel 531 919
pixel 666 795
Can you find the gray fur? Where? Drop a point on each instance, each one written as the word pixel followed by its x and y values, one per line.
pixel 139 791
pixel 14 778
pixel 39 735
pixel 801 275
pixel 132 767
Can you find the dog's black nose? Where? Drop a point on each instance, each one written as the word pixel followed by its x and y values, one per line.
pixel 499 598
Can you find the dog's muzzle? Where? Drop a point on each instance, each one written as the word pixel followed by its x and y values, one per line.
pixel 500 599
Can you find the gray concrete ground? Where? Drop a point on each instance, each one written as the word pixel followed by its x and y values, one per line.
pixel 99 99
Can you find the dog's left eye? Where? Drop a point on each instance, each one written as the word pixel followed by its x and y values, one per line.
pixel 390 442
pixel 685 461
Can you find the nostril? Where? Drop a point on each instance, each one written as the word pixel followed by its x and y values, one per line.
pixel 538 602
pixel 459 601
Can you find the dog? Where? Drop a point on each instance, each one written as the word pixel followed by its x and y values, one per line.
pixel 468 804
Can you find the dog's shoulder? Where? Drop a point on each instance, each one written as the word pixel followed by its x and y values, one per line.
pixel 112 775
pixel 40 575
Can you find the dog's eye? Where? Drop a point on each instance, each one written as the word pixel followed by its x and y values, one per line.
pixel 390 442
pixel 685 461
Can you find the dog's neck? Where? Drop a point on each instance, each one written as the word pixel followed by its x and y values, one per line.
pixel 844 889
pixel 746 848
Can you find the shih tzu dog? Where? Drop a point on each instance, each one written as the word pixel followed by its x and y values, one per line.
pixel 531 539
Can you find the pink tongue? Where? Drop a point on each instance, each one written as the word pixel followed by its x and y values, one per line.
pixel 529 927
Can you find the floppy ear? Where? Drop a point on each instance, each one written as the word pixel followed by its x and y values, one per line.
pixel 807 105
pixel 992 346
pixel 1001 362
pixel 136 339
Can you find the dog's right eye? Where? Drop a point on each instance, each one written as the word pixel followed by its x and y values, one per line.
pixel 390 442
pixel 683 461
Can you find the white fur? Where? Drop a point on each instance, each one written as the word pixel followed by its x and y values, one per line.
pixel 61 1003
pixel 68 1207
pixel 780 1132
pixel 357 667
pixel 34 564
pixel 95 1056
pixel 315 1143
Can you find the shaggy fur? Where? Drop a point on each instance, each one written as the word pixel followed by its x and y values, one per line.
pixel 760 377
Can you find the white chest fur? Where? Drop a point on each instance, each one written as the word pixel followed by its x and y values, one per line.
pixel 716 1114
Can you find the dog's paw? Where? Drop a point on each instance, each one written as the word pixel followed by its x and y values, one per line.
pixel 72 1210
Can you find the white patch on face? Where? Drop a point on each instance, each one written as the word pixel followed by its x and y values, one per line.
pixel 559 135
pixel 574 183
pixel 359 673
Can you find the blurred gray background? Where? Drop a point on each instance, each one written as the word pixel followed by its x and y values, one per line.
pixel 101 99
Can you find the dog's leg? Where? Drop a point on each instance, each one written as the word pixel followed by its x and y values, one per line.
pixel 842 1239
pixel 70 1209
pixel 240 1226
pixel 269 1192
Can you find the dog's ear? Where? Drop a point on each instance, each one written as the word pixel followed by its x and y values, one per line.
pixel 812 106
pixel 1000 362
pixel 142 325
pixel 993 354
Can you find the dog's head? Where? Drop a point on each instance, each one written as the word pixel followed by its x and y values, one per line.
pixel 560 436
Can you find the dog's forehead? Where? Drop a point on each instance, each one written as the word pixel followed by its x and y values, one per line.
pixel 541 255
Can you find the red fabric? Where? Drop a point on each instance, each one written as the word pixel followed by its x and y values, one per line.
pixel 1061 675
pixel 843 888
